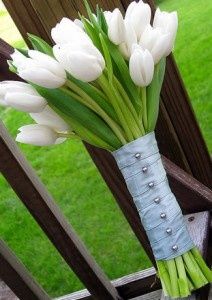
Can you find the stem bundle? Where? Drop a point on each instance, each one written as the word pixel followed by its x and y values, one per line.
pixel 181 275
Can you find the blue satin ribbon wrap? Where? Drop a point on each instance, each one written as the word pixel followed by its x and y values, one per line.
pixel 142 168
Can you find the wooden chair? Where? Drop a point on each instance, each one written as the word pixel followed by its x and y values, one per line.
pixel 186 160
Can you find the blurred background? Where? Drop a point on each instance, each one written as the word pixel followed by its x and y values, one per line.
pixel 78 188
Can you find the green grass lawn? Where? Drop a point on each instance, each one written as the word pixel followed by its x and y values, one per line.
pixel 76 185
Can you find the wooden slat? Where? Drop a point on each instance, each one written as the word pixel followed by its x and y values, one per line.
pixel 192 195
pixel 42 207
pixel 18 278
pixel 128 286
pixel 6 293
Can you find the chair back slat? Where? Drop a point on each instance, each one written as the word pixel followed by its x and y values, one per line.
pixel 39 203
pixel 17 277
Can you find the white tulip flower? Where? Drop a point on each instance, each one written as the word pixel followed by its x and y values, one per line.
pixel 139 15
pixel 38 135
pixel 82 60
pixel 39 68
pixel 116 27
pixel 155 41
pixel 68 31
pixel 108 15
pixel 168 23
pixel 21 96
pixel 141 66
pixel 130 39
pixel 51 119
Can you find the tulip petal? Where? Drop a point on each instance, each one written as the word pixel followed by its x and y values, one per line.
pixel 50 118
pixel 38 135
pixel 42 77
pixel 24 102
pixel 47 62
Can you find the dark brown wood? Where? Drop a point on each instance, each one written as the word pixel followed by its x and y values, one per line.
pixel 17 277
pixel 192 195
pixel 5 50
pixel 35 197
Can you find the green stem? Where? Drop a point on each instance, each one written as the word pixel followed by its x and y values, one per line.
pixel 129 104
pixel 164 277
pixel 68 135
pixel 112 98
pixel 191 270
pixel 89 102
pixel 144 106
pixel 182 278
pixel 127 114
pixel 198 270
pixel 173 277
pixel 204 268
pixel 89 137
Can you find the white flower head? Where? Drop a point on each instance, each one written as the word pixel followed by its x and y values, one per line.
pixel 82 60
pixel 141 66
pixel 39 68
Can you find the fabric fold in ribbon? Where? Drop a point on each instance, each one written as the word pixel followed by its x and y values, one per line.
pixel 161 216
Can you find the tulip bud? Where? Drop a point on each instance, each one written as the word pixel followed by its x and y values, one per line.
pixel 141 67
pixel 116 27
pixel 38 135
pixel 130 39
pixel 39 68
pixel 139 15
pixel 68 31
pixel 51 119
pixel 168 23
pixel 155 41
pixel 82 60
pixel 21 96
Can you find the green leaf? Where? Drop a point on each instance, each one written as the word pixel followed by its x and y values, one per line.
pixel 101 19
pixel 107 58
pixel 23 51
pixel 92 33
pixel 104 22
pixel 40 45
pixel 93 93
pixel 153 94
pixel 80 113
pixel 12 68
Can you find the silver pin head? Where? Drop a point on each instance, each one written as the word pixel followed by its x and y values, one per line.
pixel 157 200
pixel 163 215
pixel 138 155
pixel 144 169
pixel 169 230
pixel 175 248
pixel 151 184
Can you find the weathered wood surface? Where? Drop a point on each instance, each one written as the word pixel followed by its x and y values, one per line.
pixel 40 204
pixel 17 277
pixel 6 293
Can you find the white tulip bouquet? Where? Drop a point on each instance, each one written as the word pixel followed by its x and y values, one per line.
pixel 101 83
